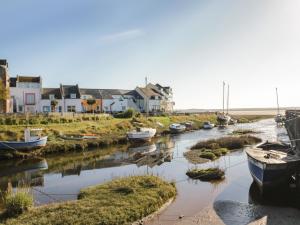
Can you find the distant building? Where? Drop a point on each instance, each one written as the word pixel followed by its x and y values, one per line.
pixel 52 100
pixel 166 92
pixel 25 92
pixel 5 106
pixel 88 96
pixel 71 98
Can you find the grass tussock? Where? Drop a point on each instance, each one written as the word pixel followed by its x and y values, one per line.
pixel 230 143
pixel 18 201
pixel 206 174
pixel 118 202
pixel 198 156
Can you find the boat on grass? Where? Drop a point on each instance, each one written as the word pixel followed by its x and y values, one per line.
pixel 177 128
pixel 208 125
pixel 141 134
pixel 33 140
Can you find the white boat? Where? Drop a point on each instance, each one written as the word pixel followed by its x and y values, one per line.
pixel 177 128
pixel 208 125
pixel 141 134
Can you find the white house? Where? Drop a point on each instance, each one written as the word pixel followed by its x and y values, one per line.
pixel 116 100
pixel 25 92
pixel 71 98
pixel 152 99
pixel 166 92
pixel 51 100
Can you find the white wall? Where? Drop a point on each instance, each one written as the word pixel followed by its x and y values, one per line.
pixel 47 102
pixel 72 102
pixel 19 94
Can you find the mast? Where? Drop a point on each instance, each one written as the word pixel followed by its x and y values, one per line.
pixel 223 97
pixel 227 98
pixel 277 102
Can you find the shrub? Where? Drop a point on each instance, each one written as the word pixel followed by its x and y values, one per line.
pixel 129 113
pixel 17 202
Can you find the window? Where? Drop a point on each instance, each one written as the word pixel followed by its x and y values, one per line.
pixel 123 108
pixel 73 96
pixel 46 108
pixel 20 109
pixel 59 108
pixel 71 108
pixel 51 97
pixel 30 99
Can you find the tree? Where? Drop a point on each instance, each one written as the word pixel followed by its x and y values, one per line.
pixel 4 95
pixel 91 102
pixel 54 103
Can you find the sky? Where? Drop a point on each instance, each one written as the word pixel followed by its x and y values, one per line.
pixel 190 45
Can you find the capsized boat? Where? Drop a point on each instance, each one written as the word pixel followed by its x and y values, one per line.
pixel 208 125
pixel 274 167
pixel 33 140
pixel 177 128
pixel 141 134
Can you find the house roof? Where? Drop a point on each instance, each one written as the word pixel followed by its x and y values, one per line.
pixel 51 91
pixel 149 92
pixel 67 90
pixel 96 93
pixel 30 79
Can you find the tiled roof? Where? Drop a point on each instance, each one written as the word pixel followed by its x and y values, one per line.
pixel 67 90
pixel 51 91
pixel 96 93
pixel 149 92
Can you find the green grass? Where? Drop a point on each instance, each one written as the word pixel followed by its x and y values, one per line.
pixel 250 118
pixel 243 132
pixel 206 174
pixel 110 131
pixel 198 156
pixel 118 202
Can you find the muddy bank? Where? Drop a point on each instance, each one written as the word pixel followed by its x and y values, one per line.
pixel 235 213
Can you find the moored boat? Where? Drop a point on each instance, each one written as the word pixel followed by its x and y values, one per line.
pixel 141 134
pixel 208 125
pixel 31 141
pixel 177 128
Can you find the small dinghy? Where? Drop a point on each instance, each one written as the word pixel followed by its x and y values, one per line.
pixel 177 128
pixel 141 134
pixel 208 125
pixel 33 140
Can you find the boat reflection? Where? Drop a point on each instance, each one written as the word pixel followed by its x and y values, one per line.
pixel 27 172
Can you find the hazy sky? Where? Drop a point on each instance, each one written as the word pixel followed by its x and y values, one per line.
pixel 191 45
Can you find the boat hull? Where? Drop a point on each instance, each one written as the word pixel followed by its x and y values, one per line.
pixel 268 176
pixel 21 145
pixel 177 131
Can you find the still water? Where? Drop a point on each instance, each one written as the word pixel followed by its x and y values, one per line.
pixel 60 178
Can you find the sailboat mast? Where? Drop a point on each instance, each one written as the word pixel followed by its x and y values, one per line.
pixel 277 101
pixel 223 97
pixel 227 98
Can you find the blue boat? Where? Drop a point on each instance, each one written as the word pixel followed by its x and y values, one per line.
pixel 272 168
pixel 31 142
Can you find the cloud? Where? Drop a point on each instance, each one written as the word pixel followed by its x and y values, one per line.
pixel 124 35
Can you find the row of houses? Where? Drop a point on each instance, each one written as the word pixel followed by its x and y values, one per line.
pixel 26 94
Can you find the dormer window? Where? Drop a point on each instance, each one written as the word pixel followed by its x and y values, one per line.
pixel 73 95
pixel 51 97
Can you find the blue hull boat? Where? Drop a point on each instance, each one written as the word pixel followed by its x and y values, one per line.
pixel 272 168
pixel 24 145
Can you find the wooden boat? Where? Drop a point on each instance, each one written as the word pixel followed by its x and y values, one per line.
pixel 208 125
pixel 31 142
pixel 272 168
pixel 177 128
pixel 141 134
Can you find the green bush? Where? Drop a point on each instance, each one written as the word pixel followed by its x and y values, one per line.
pixel 206 174
pixel 129 113
pixel 17 202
